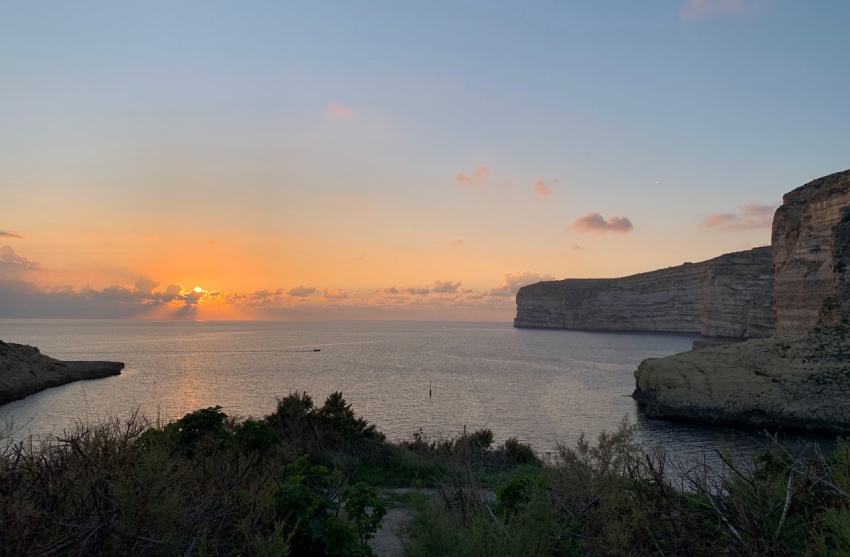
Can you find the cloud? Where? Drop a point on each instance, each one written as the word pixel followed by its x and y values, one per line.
pixel 146 285
pixel 512 282
pixel 576 246
pixel 335 294
pixel 336 109
pixel 9 235
pixel 542 188
pixel 594 222
pixel 446 287
pixel 300 291
pixel 699 9
pixel 172 292
pixel 147 298
pixel 13 265
pixel 457 243
pixel 748 217
pixel 478 178
pixel 417 291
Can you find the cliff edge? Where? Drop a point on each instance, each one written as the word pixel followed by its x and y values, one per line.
pixel 24 370
pixel 728 296
pixel 801 377
pixel 810 255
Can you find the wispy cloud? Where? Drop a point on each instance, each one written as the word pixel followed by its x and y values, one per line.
pixel 594 222
pixel 699 9
pixel 543 187
pixel 748 217
pixel 478 178
pixel 338 110
pixel 9 235
pixel 300 291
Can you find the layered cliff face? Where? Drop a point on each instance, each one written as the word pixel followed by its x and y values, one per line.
pixel 24 370
pixel 810 253
pixel 727 296
pixel 794 380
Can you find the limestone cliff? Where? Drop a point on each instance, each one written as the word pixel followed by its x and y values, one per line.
pixel 728 296
pixel 800 379
pixel 810 252
pixel 24 370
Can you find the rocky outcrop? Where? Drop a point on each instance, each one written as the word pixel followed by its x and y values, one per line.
pixel 801 378
pixel 728 296
pixel 810 254
pixel 800 382
pixel 24 370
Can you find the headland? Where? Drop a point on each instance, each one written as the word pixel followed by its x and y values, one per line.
pixel 24 370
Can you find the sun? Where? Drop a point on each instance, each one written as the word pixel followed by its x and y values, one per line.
pixel 198 289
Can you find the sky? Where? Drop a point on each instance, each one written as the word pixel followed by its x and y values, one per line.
pixel 396 160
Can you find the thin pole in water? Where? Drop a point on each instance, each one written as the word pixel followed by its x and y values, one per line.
pixel 429 389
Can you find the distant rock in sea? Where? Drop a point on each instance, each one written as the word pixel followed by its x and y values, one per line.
pixel 24 370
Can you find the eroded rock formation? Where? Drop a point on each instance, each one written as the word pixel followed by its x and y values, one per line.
pixel 24 370
pixel 802 382
pixel 728 296
pixel 810 254
pixel 800 378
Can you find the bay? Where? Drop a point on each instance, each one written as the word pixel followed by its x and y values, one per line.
pixel 542 386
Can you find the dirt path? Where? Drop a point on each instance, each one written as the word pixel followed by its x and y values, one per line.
pixel 386 542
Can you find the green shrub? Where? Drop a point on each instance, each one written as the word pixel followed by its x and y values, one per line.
pixel 514 496
pixel 520 453
pixel 306 501
pixel 208 423
pixel 323 431
pixel 253 436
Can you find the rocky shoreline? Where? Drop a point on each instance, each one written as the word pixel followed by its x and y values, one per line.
pixel 799 378
pixel 792 299
pixel 24 370
pixel 795 382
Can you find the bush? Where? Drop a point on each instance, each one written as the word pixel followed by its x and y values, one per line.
pixel 323 431
pixel 520 453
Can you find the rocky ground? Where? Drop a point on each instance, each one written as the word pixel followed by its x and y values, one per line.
pixel 801 382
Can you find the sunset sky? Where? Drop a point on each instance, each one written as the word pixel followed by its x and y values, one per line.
pixel 396 160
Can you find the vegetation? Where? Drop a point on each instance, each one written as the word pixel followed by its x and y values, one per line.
pixel 304 481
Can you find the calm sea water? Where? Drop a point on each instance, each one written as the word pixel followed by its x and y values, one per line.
pixel 541 386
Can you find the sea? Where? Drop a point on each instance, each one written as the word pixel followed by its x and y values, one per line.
pixel 434 379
